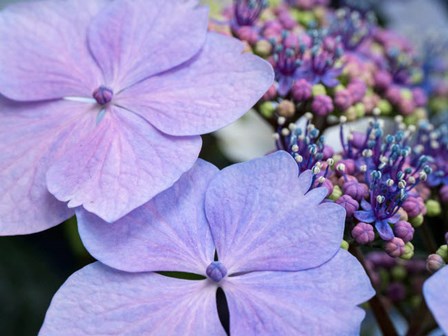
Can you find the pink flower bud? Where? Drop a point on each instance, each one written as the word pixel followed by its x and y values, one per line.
pixel 404 230
pixel 394 247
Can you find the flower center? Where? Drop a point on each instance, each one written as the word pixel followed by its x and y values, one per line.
pixel 216 271
pixel 103 95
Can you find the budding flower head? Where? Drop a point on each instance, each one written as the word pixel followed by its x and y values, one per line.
pixel 404 230
pixel 434 263
pixel 394 247
pixel 363 233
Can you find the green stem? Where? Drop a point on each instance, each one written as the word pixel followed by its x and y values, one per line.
pixel 377 306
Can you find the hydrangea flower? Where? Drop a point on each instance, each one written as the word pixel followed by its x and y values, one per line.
pixel 252 229
pixel 104 101
pixel 436 296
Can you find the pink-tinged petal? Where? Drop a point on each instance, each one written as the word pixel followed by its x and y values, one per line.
pixel 169 233
pixel 212 90
pixel 119 166
pixel 31 134
pixel 436 296
pixel 319 301
pixel 133 40
pixel 45 55
pixel 98 300
pixel 261 221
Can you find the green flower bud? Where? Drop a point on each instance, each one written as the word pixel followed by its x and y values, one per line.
pixel 344 245
pixel 416 221
pixel 337 192
pixel 360 110
pixel 433 208
pixel 443 252
pixel 267 109
pixel 263 48
pixel 385 107
pixel 399 273
pixel 408 251
pixel 319 89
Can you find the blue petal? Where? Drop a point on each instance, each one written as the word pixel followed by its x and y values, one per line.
pixel 384 230
pixel 366 205
pixel 365 216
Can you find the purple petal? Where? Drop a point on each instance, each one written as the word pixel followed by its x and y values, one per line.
pixel 395 218
pixel 31 135
pixel 366 205
pixel 260 219
pixel 318 301
pixel 169 233
pixel 133 40
pixel 384 230
pixel 98 300
pixel 120 165
pixel 45 56
pixel 436 296
pixel 284 85
pixel 365 216
pixel 330 77
pixel 208 92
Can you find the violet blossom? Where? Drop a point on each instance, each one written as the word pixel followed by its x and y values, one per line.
pixel 252 229
pixel 102 103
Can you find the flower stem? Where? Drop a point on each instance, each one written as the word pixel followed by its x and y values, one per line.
pixel 377 306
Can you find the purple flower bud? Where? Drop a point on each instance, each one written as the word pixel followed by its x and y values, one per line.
pixel 434 263
pixel 272 29
pixel 355 189
pixel 322 105
pixel 357 90
pixel 216 271
pixel 350 167
pixel 413 206
pixel 396 292
pixel 404 230
pixel 381 259
pixel 103 95
pixel 419 96
pixel 393 94
pixel 247 33
pixel 382 80
pixel 286 19
pixel 363 233
pixel 343 99
pixel 350 205
pixel 444 194
pixel 406 106
pixel 301 90
pixel 394 247
pixel 326 184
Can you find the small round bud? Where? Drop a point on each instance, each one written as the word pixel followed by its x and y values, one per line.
pixel 216 271
pixel 444 194
pixel 355 189
pixel 404 230
pixel 443 252
pixel 417 221
pixel 337 192
pixel 301 90
pixel 344 245
pixel 349 204
pixel 433 208
pixel 267 109
pixel 394 247
pixel 413 206
pixel 434 263
pixel 363 233
pixel 408 251
pixel 286 109
pixel 322 105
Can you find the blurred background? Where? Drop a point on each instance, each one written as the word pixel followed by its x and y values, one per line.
pixel 33 267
